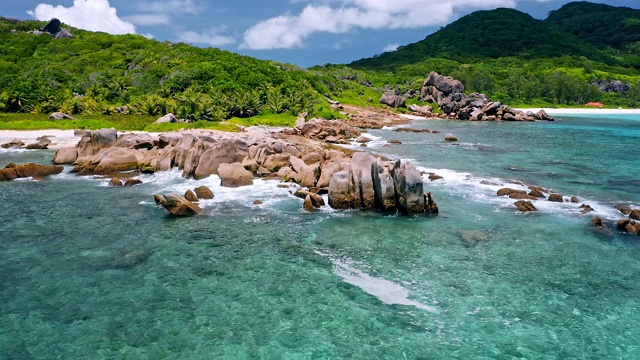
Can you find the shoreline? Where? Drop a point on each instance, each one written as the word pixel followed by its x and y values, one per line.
pixel 584 111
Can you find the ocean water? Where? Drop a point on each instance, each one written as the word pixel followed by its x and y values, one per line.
pixel 92 272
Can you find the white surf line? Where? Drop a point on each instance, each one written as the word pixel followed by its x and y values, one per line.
pixel 386 291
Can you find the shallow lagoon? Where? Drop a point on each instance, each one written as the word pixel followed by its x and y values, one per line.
pixel 95 272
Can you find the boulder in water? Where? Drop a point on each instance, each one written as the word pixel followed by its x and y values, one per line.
pixel 15 171
pixel 177 205
pixel 204 193
pixel 234 175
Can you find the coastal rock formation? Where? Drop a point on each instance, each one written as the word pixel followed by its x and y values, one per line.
pixel 41 144
pixel 371 184
pixel 36 171
pixel 449 94
pixel 177 205
pixel 13 144
pixel 352 180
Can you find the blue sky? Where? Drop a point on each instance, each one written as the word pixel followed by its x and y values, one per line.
pixel 301 32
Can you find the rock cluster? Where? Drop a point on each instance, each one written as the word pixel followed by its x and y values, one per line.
pixel 368 183
pixel 41 143
pixel 54 29
pixel 536 193
pixel 449 94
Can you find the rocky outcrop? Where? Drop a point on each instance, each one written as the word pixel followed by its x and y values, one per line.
pixel 177 205
pixel 371 184
pixel 13 144
pixel 556 198
pixel 92 141
pixel 333 131
pixel 449 95
pixel 36 171
pixel 42 144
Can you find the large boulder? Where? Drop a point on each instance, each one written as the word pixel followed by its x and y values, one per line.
pixel 65 34
pixel 361 178
pixel 92 141
pixel 116 159
pixel 234 175
pixel 60 116
pixel 308 174
pixel 225 151
pixel 65 156
pixel 391 99
pixel 385 195
pixel 409 188
pixel 341 191
pixel 177 205
pixel 204 193
pixel 53 27
pixel 15 171
pixel 168 118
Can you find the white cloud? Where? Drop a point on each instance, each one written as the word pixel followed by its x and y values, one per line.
pixel 391 47
pixel 290 31
pixel 169 7
pixel 213 37
pixel 148 19
pixel 94 15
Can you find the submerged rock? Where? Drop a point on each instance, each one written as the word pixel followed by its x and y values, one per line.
pixel 177 205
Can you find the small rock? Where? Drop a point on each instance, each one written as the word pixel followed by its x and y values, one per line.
pixel 537 193
pixel 624 209
pixel 586 208
pixel 257 202
pixel 203 192
pixel 190 195
pixel 434 177
pixel 394 141
pixel 450 137
pixel 597 222
pixel 308 205
pixel 556 198
pixel 575 200
pixel 132 182
pixel 363 139
pixel 523 205
pixel 635 214
pixel 115 182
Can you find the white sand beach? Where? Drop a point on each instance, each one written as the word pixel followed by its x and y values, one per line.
pixel 585 111
pixel 59 138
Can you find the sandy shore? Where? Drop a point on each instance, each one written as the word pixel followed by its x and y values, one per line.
pixel 585 111
pixel 59 138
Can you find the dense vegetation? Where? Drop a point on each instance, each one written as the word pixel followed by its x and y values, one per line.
pixel 600 25
pixel 504 53
pixel 98 73
pixel 515 58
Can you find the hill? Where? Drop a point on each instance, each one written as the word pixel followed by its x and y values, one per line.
pixel 598 24
pixel 489 34
pixel 98 73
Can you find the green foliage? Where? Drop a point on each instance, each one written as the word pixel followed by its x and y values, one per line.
pixel 489 34
pixel 98 73
pixel 598 24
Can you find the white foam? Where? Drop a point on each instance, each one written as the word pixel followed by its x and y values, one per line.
pixel 484 189
pixel 388 292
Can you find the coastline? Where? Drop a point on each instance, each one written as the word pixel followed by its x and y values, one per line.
pixel 584 111
pixel 59 138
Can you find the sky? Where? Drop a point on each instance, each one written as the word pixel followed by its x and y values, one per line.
pixel 300 32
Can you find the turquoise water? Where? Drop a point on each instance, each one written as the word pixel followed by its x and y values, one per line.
pixel 91 272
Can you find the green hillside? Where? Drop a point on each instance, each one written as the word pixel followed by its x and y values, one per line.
pixel 598 24
pixel 97 73
pixel 513 58
pixel 489 34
